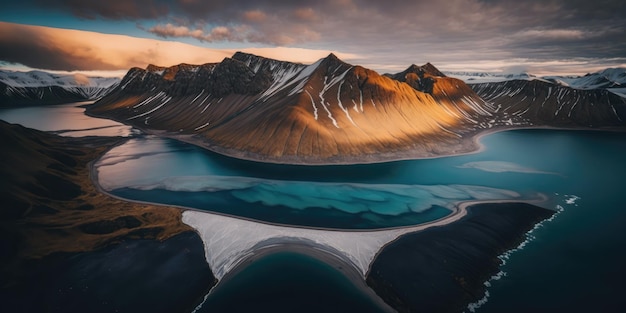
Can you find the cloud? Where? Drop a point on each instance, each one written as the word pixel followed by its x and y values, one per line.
pixel 255 16
pixel 388 34
pixel 555 34
pixel 305 14
pixel 219 33
pixel 71 50
pixel 63 49
pixel 111 9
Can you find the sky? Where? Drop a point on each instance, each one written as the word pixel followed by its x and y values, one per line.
pixel 543 37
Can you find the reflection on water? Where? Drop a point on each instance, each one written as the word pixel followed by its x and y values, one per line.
pixel 65 120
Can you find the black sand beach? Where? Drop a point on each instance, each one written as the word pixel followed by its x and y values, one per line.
pixel 131 276
pixel 442 269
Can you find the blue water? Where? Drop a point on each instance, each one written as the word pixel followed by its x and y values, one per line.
pixel 575 262
pixel 347 197
pixel 305 284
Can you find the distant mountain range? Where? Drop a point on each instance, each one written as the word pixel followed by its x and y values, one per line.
pixel 613 79
pixel 38 87
pixel 591 100
pixel 333 112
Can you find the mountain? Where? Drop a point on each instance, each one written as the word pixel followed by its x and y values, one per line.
pixel 612 79
pixel 608 78
pixel 333 112
pixel 544 103
pixel 38 87
pixel 593 100
pixel 327 112
pixel 486 77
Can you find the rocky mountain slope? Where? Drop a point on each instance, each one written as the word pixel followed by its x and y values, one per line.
pixel 327 112
pixel 539 102
pixel 38 87
pixel 608 78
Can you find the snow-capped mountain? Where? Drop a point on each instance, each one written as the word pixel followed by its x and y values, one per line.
pixel 612 79
pixel 38 87
pixel 546 103
pixel 608 78
pixel 326 112
pixel 596 99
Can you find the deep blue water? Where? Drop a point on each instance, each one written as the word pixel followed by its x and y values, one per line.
pixel 304 284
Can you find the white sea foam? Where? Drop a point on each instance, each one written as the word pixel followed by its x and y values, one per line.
pixel 569 200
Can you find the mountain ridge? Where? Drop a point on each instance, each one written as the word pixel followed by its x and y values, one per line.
pixel 328 112
pixel 607 78
pixel 39 87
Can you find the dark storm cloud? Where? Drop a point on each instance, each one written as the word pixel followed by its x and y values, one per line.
pixel 335 20
pixel 110 9
pixel 35 49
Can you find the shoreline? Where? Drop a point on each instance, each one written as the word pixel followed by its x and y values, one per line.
pixel 472 140
pixel 311 250
pixel 445 269
pixel 335 257
pixel 469 143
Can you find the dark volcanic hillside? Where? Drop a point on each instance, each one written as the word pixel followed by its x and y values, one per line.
pixel 60 236
pixel 545 103
pixel 17 96
pixel 327 112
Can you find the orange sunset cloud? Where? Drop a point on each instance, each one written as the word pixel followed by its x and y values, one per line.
pixel 70 50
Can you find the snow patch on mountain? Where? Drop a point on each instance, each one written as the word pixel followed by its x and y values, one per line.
pixel 30 84
pixel 488 77
pixel 613 79
pixel 45 79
